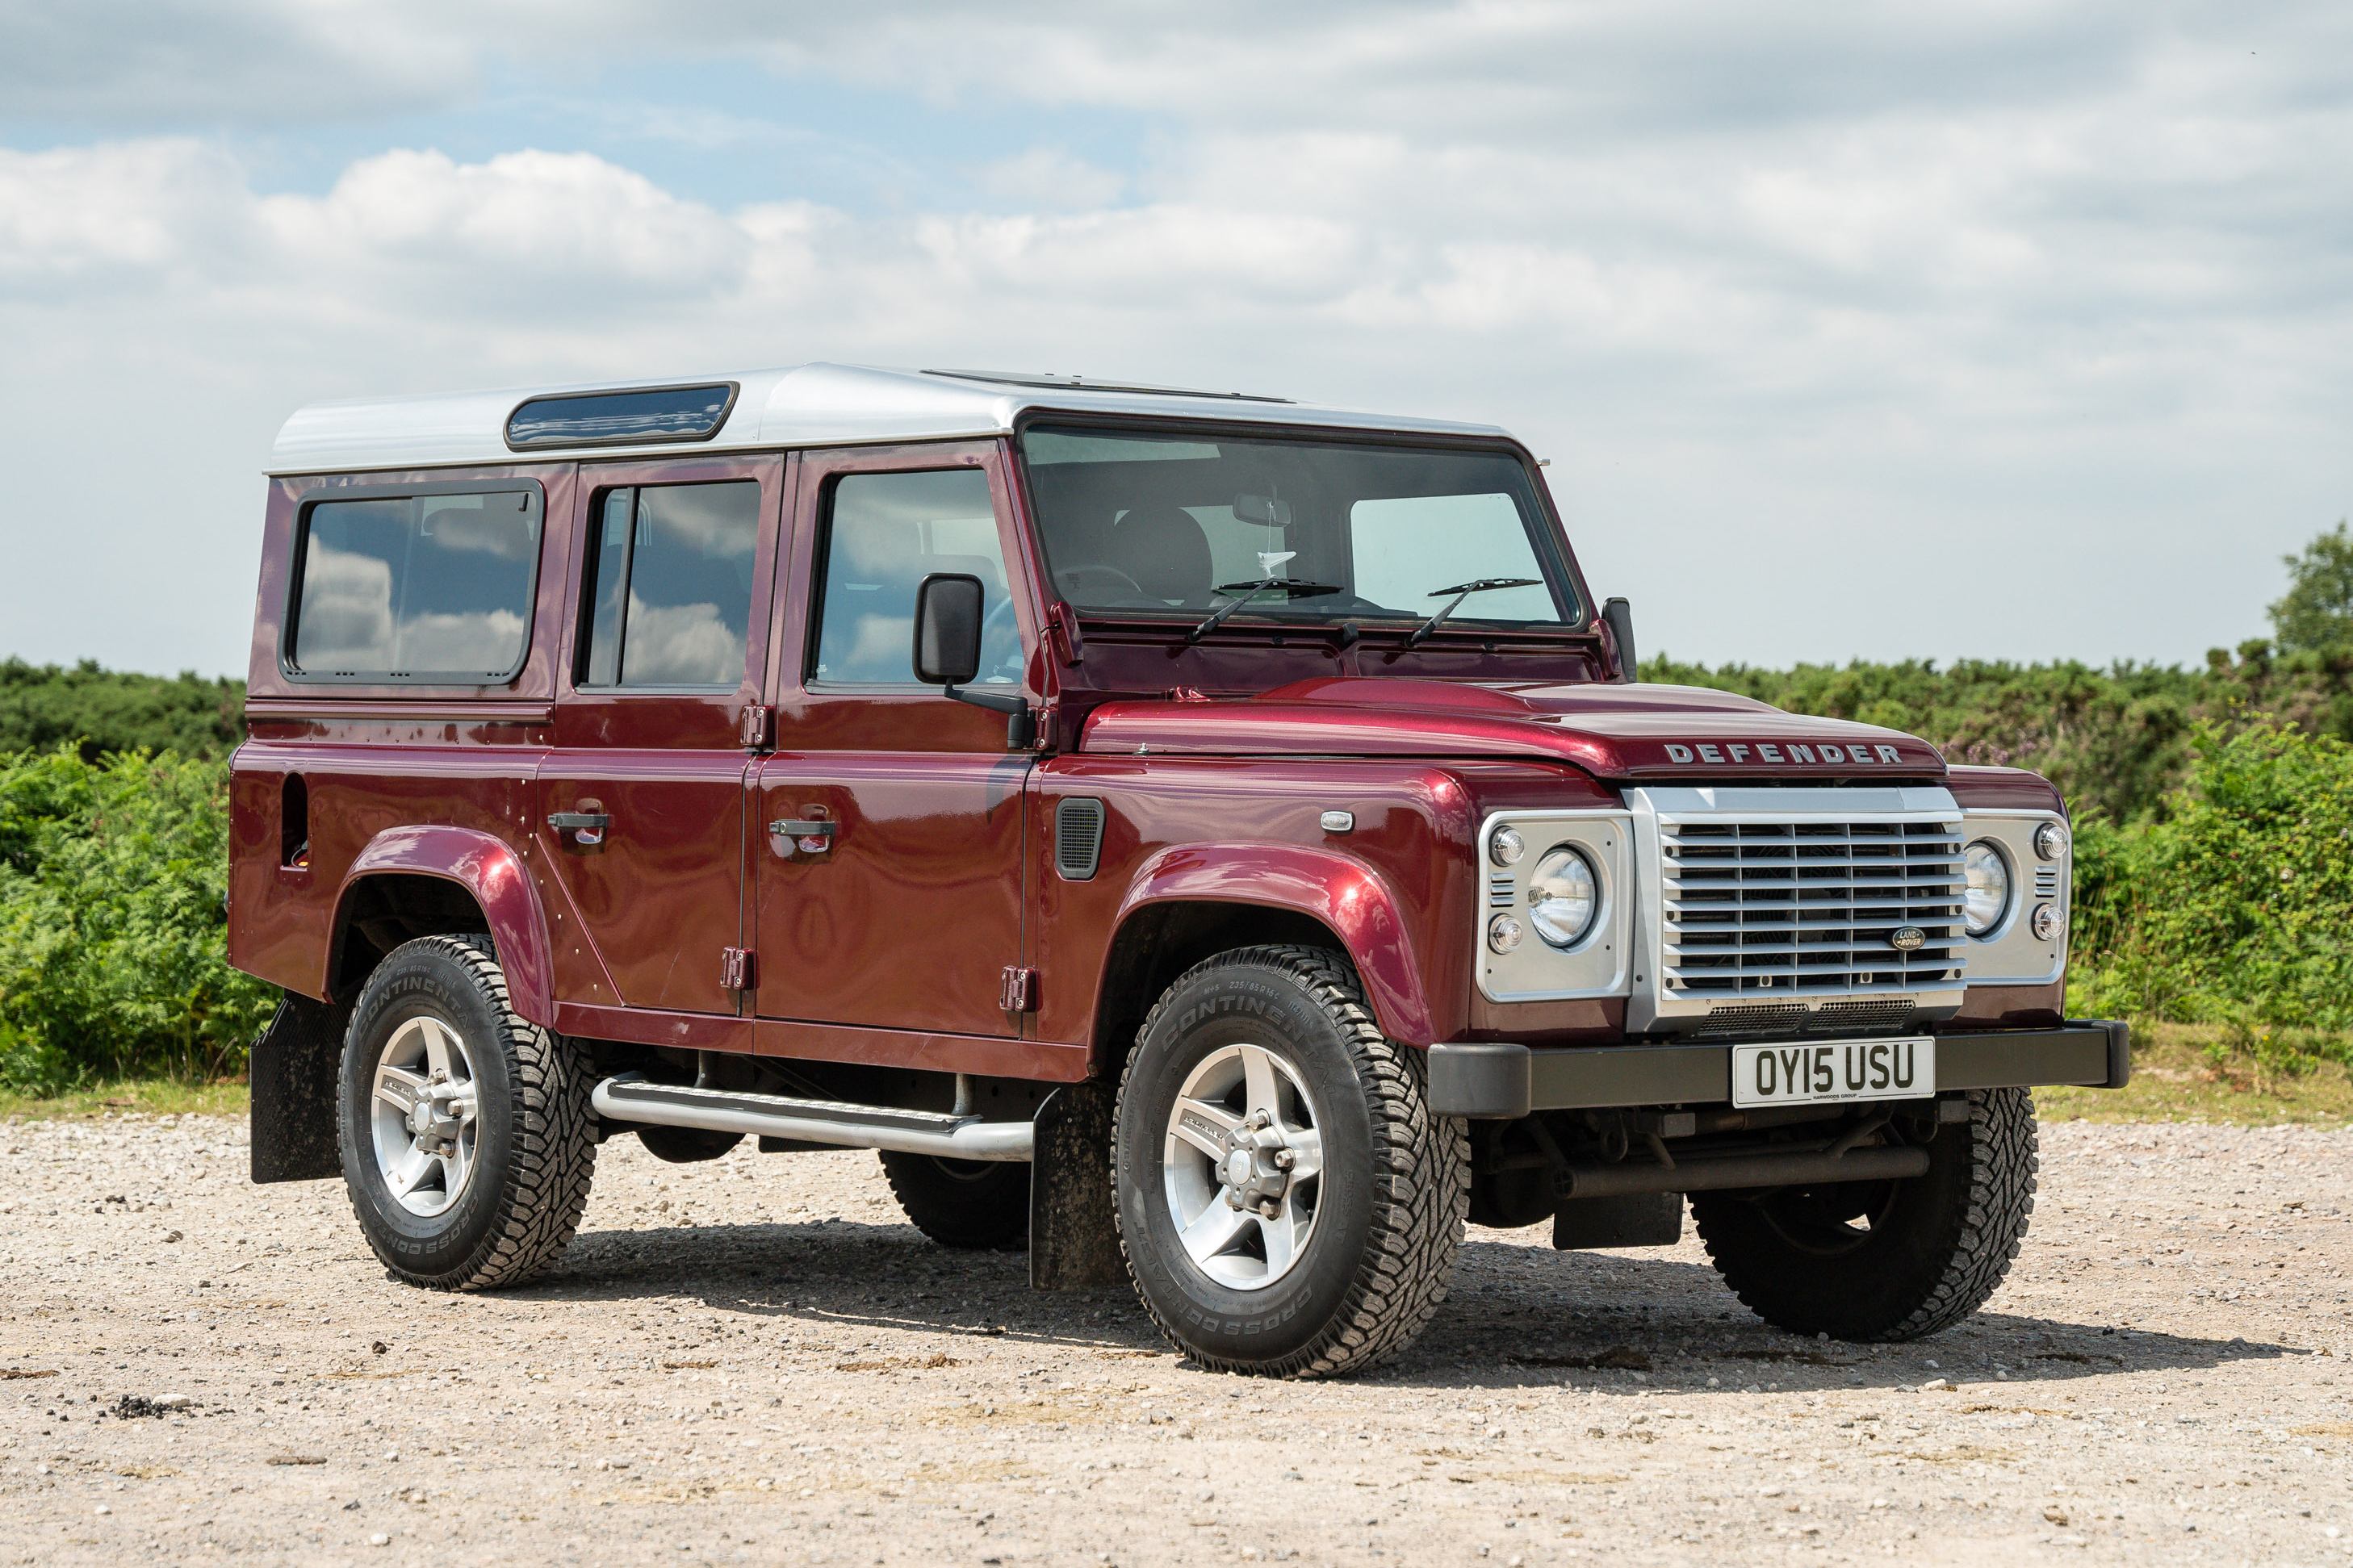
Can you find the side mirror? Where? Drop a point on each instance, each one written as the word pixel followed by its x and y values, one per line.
pixel 1618 617
pixel 947 628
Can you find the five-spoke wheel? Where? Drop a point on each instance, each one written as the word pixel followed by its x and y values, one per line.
pixel 426 1116
pixel 1241 1166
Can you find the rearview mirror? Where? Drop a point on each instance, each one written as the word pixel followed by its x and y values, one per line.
pixel 1265 510
pixel 947 628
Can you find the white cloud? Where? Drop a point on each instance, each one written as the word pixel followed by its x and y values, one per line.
pixel 1810 307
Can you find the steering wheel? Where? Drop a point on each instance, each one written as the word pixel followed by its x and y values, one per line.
pixel 1072 576
pixel 996 627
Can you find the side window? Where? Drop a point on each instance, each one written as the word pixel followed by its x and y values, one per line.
pixel 416 587
pixel 885 534
pixel 670 584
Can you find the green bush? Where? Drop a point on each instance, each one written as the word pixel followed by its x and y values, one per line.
pixel 112 961
pixel 100 710
pixel 2236 908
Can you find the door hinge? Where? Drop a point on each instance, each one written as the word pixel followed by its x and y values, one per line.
pixel 1020 991
pixel 754 727
pixel 738 968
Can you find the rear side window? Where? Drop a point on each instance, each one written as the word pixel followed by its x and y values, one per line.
pixel 670 584
pixel 431 587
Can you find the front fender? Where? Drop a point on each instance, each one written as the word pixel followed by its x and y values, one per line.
pixel 488 868
pixel 1346 895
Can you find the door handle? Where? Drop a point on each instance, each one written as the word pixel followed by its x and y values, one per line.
pixel 586 828
pixel 814 837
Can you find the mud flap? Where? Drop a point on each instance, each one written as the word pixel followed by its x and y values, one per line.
pixel 1073 1223
pixel 1633 1219
pixel 294 1067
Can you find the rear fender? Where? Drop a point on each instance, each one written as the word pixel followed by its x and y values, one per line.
pixel 1345 895
pixel 489 868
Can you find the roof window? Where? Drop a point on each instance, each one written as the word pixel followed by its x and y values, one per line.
pixel 638 415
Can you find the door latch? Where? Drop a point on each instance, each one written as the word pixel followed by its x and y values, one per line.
pixel 813 837
pixel 588 828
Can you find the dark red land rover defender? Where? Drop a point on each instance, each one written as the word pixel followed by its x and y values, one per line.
pixel 1210 839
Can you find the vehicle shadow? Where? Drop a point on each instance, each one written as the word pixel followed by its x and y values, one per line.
pixel 1517 1315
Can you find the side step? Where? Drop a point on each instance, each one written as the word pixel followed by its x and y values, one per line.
pixel 630 1098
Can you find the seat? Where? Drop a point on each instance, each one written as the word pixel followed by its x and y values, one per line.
pixel 1164 549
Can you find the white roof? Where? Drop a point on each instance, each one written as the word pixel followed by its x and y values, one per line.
pixel 800 406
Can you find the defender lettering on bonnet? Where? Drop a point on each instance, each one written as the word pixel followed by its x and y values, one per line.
pixel 929 629
pixel 1786 752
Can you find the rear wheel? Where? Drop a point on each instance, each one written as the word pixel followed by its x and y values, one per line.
pixel 1885 1260
pixel 467 1137
pixel 1288 1205
pixel 982 1205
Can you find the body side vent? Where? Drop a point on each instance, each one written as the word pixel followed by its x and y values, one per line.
pixel 1078 837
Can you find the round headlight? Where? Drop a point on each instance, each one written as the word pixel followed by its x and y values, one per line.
pixel 1502 933
pixel 1563 896
pixel 2045 922
pixel 1987 897
pixel 1506 846
pixel 2050 841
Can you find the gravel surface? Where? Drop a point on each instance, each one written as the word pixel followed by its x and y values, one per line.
pixel 756 1360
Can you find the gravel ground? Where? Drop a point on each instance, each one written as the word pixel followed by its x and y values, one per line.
pixel 756 1361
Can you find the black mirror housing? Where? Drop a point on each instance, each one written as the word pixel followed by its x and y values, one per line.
pixel 1618 617
pixel 947 628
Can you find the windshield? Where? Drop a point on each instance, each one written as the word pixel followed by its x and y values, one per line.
pixel 1175 524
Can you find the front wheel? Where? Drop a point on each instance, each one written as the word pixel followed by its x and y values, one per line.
pixel 468 1138
pixel 1885 1260
pixel 1288 1205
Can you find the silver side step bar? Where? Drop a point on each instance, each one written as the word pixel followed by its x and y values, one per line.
pixel 630 1098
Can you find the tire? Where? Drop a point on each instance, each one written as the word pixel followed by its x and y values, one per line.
pixel 1885 1260
pixel 686 1145
pixel 498 1193
pixel 1354 1256
pixel 979 1204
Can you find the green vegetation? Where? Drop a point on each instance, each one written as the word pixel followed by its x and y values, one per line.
pixel 112 875
pixel 99 711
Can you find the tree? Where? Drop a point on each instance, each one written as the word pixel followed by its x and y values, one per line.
pixel 2317 612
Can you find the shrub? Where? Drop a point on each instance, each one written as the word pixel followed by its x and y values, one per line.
pixel 112 958
pixel 2234 909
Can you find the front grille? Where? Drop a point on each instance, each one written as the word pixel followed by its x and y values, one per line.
pixel 1764 911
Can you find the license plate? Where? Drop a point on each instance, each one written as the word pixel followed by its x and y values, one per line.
pixel 1825 1072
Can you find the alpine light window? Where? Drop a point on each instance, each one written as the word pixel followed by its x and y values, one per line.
pixel 642 416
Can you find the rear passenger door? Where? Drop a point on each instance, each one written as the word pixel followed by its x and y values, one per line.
pixel 642 799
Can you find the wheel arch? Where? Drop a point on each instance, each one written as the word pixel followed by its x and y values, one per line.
pixel 1188 903
pixel 441 880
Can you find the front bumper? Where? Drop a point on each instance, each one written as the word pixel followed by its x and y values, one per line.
pixel 1486 1079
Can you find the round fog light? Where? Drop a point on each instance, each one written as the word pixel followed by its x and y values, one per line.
pixel 2045 922
pixel 1506 846
pixel 2050 841
pixel 1502 933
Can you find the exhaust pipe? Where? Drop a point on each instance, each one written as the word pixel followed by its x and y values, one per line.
pixel 630 1098
pixel 1739 1171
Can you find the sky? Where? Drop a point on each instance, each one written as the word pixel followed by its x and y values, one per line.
pixel 2009 331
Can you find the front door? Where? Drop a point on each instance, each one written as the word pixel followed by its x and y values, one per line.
pixel 897 901
pixel 641 803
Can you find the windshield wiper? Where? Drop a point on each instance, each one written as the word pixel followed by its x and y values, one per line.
pixel 1246 591
pixel 1462 591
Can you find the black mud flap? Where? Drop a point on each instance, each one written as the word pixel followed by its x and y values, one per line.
pixel 1073 1223
pixel 1631 1219
pixel 293 1068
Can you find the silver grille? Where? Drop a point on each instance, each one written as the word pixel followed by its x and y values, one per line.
pixel 1805 908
